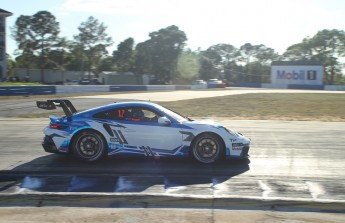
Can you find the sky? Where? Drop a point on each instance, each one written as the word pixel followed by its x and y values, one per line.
pixel 275 23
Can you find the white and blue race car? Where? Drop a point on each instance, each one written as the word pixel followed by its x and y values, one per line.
pixel 137 128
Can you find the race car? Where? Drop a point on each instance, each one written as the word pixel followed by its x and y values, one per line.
pixel 137 128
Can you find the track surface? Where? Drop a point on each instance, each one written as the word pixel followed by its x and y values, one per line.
pixel 288 159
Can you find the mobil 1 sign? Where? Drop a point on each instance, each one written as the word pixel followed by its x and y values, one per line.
pixel 297 74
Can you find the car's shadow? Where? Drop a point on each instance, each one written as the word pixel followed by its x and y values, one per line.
pixel 134 174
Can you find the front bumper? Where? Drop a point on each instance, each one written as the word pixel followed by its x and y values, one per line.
pixel 245 152
pixel 49 145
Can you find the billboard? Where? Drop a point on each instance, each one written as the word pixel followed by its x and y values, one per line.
pixel 296 73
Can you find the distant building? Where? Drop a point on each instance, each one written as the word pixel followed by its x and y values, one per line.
pixel 51 76
pixel 3 61
pixel 115 78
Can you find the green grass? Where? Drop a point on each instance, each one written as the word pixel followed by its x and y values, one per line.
pixel 264 106
pixel 261 106
pixel 19 83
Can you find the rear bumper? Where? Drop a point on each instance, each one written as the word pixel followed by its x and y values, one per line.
pixel 49 145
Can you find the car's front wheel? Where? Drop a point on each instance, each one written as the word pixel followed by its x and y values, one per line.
pixel 207 148
pixel 89 146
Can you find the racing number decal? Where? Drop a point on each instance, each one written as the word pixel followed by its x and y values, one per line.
pixel 121 113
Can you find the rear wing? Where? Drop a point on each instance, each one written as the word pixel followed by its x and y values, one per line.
pixel 66 106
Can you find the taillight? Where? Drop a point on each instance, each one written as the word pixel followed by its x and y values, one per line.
pixel 54 126
pixel 57 126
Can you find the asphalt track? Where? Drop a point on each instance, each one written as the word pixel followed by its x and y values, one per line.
pixel 290 162
pixel 299 161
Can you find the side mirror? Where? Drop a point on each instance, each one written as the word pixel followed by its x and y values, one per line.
pixel 164 121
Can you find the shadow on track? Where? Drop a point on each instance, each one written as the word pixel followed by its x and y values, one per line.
pixel 58 173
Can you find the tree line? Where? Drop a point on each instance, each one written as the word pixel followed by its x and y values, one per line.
pixel 164 54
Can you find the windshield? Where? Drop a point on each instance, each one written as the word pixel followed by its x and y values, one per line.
pixel 172 114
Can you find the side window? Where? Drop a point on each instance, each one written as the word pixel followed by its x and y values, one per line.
pixel 141 114
pixel 150 116
pixel 109 114
pixel 134 114
pixel 125 113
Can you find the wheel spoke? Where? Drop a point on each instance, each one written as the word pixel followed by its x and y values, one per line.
pixel 89 146
pixel 207 150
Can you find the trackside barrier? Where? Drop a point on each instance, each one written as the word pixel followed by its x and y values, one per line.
pixel 282 86
pixel 334 88
pixel 305 87
pixel 245 84
pixel 26 90
pixel 161 87
pixel 183 87
pixel 199 86
pixel 128 88
pixel 75 89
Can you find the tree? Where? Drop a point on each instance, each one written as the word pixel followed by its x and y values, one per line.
pixel 207 69
pixel 60 56
pixel 218 61
pixel 35 35
pixel 188 65
pixel 107 64
pixel 92 41
pixel 161 51
pixel 124 56
pixel 143 58
pixel 326 47
pixel 257 59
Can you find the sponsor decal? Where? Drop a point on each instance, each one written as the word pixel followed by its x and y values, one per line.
pixel 147 150
pixel 291 75
pixel 311 75
pixel 120 137
pixel 114 140
pixel 296 75
pixel 72 128
pixel 237 146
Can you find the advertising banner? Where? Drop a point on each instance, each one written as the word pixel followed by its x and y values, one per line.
pixel 296 74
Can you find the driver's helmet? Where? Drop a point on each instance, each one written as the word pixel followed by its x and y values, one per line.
pixel 137 114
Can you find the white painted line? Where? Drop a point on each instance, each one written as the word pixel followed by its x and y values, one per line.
pixel 123 184
pixel 265 189
pixel 315 189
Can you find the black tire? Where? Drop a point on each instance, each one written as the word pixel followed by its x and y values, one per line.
pixel 208 148
pixel 89 146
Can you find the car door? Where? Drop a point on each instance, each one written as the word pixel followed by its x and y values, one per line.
pixel 142 131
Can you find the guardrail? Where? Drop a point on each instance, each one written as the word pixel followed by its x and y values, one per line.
pixel 77 89
pixel 26 90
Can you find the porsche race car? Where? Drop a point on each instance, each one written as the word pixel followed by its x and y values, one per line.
pixel 137 128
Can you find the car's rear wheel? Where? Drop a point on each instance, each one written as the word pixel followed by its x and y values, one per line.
pixel 207 148
pixel 89 146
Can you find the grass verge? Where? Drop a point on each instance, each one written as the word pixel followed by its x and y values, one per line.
pixel 264 106
pixel 20 84
pixel 261 106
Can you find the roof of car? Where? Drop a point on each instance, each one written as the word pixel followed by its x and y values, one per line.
pixel 120 104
